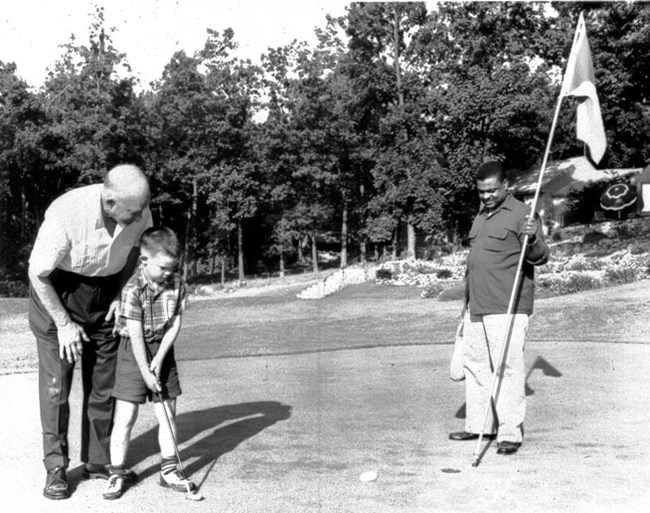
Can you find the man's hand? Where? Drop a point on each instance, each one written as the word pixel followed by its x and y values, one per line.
pixel 71 337
pixel 112 309
pixel 530 228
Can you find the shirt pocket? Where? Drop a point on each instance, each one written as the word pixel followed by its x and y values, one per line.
pixel 502 239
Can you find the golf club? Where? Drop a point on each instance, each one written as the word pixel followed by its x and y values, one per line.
pixel 192 495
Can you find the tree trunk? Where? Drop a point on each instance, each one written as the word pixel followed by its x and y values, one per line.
pixel 344 236
pixel 282 264
pixel 195 201
pixel 223 270
pixel 240 251
pixel 314 252
pixel 363 250
pixel 394 242
pixel 410 230
pixel 186 250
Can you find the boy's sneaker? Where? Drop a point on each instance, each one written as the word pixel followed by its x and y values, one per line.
pixel 175 481
pixel 92 471
pixel 114 487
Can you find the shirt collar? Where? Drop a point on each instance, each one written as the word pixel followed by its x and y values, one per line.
pixel 100 211
pixel 144 282
pixel 506 204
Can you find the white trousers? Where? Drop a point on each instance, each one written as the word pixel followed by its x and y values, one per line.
pixel 483 336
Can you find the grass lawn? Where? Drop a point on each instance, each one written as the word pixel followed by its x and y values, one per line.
pixel 367 315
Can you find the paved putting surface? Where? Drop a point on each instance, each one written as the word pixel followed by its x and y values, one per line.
pixel 294 433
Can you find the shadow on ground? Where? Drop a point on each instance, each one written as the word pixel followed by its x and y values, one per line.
pixel 221 429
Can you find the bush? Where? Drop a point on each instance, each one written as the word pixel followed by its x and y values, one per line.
pixel 621 276
pixel 13 288
pixel 639 248
pixel 575 282
pixel 452 293
pixel 444 274
pixel 593 237
pixel 384 274
pixel 432 290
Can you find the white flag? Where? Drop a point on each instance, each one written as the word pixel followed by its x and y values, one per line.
pixel 579 80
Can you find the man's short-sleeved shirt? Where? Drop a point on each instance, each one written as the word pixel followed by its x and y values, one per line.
pixel 74 238
pixel 153 305
pixel 495 248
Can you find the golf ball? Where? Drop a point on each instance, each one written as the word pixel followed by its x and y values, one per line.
pixel 366 477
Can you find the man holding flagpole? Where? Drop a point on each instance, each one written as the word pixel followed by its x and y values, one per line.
pixel 506 244
pixel 498 235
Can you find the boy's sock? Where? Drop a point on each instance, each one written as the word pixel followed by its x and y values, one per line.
pixel 167 466
pixel 117 469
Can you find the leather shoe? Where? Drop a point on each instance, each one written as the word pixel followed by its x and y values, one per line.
pixel 508 447
pixel 92 471
pixel 463 436
pixel 56 484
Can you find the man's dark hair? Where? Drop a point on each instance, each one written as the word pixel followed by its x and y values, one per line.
pixel 491 169
pixel 160 239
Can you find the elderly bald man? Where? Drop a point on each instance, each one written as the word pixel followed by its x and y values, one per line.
pixel 85 250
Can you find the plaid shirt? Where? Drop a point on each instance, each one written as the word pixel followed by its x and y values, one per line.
pixel 151 304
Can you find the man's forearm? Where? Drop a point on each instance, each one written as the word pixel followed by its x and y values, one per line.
pixel 129 267
pixel 50 299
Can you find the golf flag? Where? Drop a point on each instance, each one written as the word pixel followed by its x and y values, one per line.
pixel 579 80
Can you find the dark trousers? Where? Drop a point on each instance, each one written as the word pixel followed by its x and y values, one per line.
pixel 87 301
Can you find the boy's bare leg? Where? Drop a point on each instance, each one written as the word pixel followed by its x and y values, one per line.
pixel 126 414
pixel 165 439
pixel 170 475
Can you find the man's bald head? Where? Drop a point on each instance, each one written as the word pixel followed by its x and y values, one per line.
pixel 127 181
pixel 126 193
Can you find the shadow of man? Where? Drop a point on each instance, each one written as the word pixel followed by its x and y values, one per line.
pixel 230 424
pixel 541 364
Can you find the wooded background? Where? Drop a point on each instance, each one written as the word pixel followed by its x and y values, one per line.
pixel 339 146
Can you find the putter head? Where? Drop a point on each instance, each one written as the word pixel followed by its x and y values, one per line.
pixel 194 495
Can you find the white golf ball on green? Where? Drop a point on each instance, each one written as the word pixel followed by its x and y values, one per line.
pixel 367 477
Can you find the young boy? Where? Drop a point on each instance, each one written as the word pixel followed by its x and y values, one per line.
pixel 148 322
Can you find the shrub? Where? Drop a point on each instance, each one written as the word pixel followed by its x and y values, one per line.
pixel 432 290
pixel 13 288
pixel 577 263
pixel 640 248
pixel 575 282
pixel 621 276
pixel 444 274
pixel 593 237
pixel 384 274
pixel 454 293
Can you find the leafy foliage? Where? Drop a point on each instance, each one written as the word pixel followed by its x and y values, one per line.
pixel 340 146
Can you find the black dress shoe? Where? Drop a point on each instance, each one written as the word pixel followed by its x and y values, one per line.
pixel 463 436
pixel 508 447
pixel 56 484
pixel 92 471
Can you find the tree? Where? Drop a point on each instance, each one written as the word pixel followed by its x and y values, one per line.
pixel 21 122
pixel 494 102
pixel 384 45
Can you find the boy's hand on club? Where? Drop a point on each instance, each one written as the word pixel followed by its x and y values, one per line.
pixel 155 367
pixel 152 382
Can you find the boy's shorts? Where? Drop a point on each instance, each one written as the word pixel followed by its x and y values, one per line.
pixel 129 383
